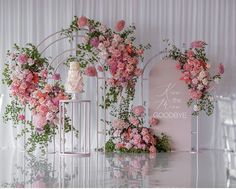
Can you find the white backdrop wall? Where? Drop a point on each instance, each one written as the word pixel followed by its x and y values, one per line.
pixel 181 21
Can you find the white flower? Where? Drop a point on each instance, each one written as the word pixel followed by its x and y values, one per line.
pixel 210 98
pixel 196 108
pixel 205 81
pixel 195 81
pixel 103 55
pixel 200 87
pixel 217 80
pixel 30 61
pixel 101 47
pixel 102 28
pixel 202 74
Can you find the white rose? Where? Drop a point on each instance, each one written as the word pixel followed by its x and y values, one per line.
pixel 217 80
pixel 101 46
pixel 30 61
pixel 205 81
pixel 211 98
pixel 200 87
pixel 20 76
pixel 202 74
pixel 196 108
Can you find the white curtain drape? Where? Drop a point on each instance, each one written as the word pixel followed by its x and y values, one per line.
pixel 181 21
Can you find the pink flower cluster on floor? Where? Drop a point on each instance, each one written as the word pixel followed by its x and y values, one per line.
pixel 131 134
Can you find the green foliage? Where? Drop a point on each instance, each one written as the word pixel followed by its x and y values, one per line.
pixel 163 143
pixel 109 146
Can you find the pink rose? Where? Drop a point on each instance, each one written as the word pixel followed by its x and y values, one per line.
pixel 21 117
pixel 153 121
pixel 138 110
pixel 190 53
pixel 134 121
pixel 120 25
pixel 198 44
pixel 56 76
pixel 146 138
pixel 221 69
pixel 138 72
pixel 121 65
pixel 195 94
pixel 128 146
pixel 119 145
pixel 29 77
pixel 39 122
pixel 152 149
pixel 119 124
pixel 22 58
pixel 144 131
pixel 91 71
pixel 82 21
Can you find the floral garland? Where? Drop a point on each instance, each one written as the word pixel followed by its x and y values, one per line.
pixel 26 73
pixel 195 69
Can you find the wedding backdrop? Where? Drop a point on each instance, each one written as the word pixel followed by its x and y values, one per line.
pixel 180 21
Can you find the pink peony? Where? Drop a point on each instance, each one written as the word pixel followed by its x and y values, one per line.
pixel 94 42
pixel 56 76
pixel 91 71
pixel 134 121
pixel 198 44
pixel 82 21
pixel 153 121
pixel 21 117
pixel 221 69
pixel 138 110
pixel 22 58
pixel 152 149
pixel 39 122
pixel 120 25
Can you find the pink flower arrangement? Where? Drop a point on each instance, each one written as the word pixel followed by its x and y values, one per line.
pixel 153 121
pixel 138 110
pixel 22 58
pixel 196 74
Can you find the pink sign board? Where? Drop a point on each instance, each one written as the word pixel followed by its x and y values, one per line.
pixel 168 97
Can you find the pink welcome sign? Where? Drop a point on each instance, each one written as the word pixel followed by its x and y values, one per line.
pixel 167 102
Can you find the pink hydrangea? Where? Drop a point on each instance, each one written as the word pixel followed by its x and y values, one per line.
pixel 22 58
pixel 138 110
pixel 82 21
pixel 221 69
pixel 91 71
pixel 198 44
pixel 153 121
pixel 152 149
pixel 120 25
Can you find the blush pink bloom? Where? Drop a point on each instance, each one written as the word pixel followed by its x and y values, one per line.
pixel 221 69
pixel 29 77
pixel 56 76
pixel 119 124
pixel 146 139
pixel 152 149
pixel 138 72
pixel 119 145
pixel 198 44
pixel 134 121
pixel 22 58
pixel 120 25
pixel 153 121
pixel 144 131
pixel 39 122
pixel 91 71
pixel 82 21
pixel 138 110
pixel 21 117
pixel 190 53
